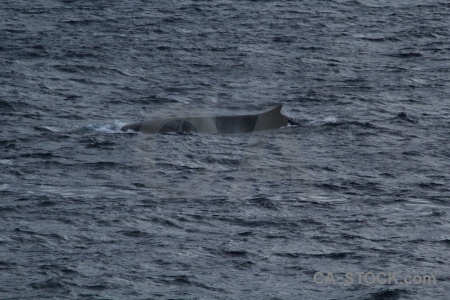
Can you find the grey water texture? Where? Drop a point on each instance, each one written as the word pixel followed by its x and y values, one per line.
pixel 360 185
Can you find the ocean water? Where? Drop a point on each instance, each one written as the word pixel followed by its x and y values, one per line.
pixel 353 203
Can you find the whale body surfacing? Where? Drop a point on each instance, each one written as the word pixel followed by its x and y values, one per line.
pixel 272 119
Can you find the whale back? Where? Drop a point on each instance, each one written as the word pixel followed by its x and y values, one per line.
pixel 271 119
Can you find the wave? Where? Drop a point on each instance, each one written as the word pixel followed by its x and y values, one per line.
pixel 100 128
pixel 84 129
pixel 404 117
pixel 322 122
pixel 334 121
pixel 12 106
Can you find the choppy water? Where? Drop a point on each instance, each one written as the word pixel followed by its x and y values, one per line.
pixel 362 185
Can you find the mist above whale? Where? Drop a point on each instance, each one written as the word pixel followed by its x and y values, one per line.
pixel 272 119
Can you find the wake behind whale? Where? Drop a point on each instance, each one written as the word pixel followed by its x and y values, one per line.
pixel 272 119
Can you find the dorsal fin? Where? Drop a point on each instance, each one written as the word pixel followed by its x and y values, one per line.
pixel 271 119
pixel 276 108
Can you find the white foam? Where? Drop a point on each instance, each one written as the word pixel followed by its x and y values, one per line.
pixel 326 120
pixel 111 128
pixel 50 128
pixel 330 120
pixel 4 187
pixel 103 128
pixel 6 162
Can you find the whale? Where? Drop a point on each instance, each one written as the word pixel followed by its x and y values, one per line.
pixel 271 119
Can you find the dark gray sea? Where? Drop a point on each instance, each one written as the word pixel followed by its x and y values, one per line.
pixel 353 203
